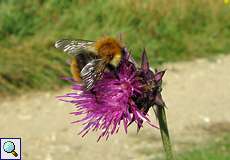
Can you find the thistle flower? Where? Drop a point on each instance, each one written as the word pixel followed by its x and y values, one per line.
pixel 113 100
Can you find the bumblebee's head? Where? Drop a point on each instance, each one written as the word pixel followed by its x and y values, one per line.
pixel 110 49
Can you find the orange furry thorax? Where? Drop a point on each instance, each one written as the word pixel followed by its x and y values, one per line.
pixel 108 47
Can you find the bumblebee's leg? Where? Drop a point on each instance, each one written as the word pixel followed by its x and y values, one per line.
pixel 75 70
pixel 114 70
pixel 116 73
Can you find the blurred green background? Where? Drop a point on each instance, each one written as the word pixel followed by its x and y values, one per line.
pixel 169 30
pixel 179 30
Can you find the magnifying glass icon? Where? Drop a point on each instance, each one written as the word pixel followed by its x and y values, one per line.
pixel 9 147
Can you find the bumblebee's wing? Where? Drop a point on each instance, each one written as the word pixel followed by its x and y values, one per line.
pixel 73 46
pixel 92 72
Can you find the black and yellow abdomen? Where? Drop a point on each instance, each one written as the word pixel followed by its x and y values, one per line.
pixel 78 62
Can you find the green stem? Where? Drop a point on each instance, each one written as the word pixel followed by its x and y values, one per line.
pixel 164 132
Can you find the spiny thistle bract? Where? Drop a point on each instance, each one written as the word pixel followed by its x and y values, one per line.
pixel 114 100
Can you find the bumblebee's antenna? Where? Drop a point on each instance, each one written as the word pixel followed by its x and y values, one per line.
pixel 120 37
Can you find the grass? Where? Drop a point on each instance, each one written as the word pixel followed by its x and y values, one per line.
pixel 170 31
pixel 217 150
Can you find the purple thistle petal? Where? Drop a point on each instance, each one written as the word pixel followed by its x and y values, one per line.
pixel 76 113
pixel 68 79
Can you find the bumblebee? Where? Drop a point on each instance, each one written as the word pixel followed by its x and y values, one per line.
pixel 91 58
